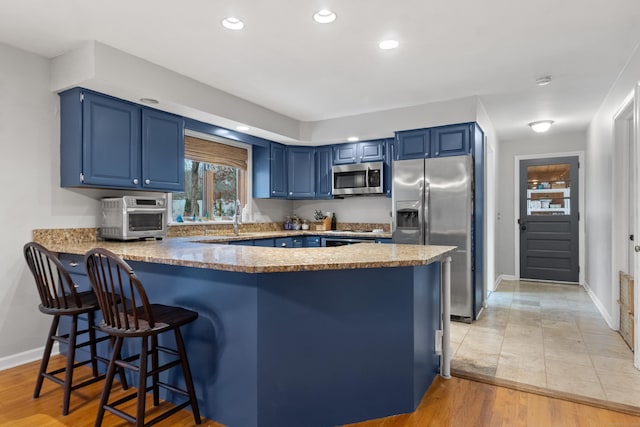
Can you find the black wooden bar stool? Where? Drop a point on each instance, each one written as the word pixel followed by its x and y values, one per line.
pixel 132 316
pixel 59 297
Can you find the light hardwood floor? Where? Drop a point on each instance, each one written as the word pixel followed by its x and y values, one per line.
pixel 456 402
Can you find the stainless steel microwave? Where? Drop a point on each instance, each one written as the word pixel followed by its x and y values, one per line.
pixel 358 178
pixel 131 218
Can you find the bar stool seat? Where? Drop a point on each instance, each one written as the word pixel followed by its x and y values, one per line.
pixel 132 316
pixel 59 297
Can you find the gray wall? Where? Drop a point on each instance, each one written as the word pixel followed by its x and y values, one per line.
pixel 506 176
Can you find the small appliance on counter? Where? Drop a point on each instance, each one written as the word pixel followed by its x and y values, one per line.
pixel 133 218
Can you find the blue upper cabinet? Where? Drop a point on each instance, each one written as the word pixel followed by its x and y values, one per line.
pixel 453 140
pixel 371 151
pixel 278 175
pixel 343 154
pixel 388 163
pixel 413 144
pixel 324 160
pixel 110 142
pixel 301 169
pixel 104 143
pixel 162 151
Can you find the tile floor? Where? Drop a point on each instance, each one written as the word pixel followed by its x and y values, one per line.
pixel 551 336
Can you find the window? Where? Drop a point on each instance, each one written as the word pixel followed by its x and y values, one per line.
pixel 214 179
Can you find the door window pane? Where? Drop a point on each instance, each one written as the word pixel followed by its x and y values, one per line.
pixel 549 189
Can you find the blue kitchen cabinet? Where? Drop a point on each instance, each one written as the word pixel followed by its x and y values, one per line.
pixel 384 240
pixel 301 172
pixel 344 154
pixel 284 242
pixel 413 144
pixel 264 242
pixel 371 151
pixel 311 241
pixel 278 174
pixel 297 242
pixel 106 143
pixel 452 140
pixel 162 151
pixel 324 176
pixel 241 242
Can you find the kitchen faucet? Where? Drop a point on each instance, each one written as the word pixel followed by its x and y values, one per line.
pixel 236 218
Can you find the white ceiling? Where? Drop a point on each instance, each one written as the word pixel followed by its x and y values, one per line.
pixel 286 62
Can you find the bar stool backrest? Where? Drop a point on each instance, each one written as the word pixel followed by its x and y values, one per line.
pixel 121 296
pixel 56 288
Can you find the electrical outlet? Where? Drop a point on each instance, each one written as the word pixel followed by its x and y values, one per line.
pixel 438 341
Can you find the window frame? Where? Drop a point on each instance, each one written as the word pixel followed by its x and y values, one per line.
pixel 248 181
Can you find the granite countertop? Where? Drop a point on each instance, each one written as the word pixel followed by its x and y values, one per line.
pixel 192 252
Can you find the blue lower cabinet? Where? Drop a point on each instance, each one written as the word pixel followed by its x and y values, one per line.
pixel 312 241
pixel 284 242
pixel 264 242
pixel 241 242
pixel 297 242
pixel 384 240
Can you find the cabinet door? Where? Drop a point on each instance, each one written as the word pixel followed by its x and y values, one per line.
pixel 388 166
pixel 162 151
pixel 264 242
pixel 278 174
pixel 324 177
pixel 451 140
pixel 311 241
pixel 284 242
pixel 371 151
pixel 297 242
pixel 301 169
pixel 110 142
pixel 413 144
pixel 343 154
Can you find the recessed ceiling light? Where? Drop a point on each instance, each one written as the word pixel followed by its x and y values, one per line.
pixel 541 125
pixel 353 139
pixel 324 16
pixel 232 23
pixel 242 128
pixel 149 101
pixel 388 44
pixel 543 81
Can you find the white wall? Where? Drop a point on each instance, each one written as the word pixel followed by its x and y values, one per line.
pixel 538 144
pixel 600 276
pixel 29 167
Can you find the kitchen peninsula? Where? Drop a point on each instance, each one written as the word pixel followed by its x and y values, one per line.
pixel 308 336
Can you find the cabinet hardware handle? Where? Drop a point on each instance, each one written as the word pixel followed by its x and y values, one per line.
pixel 73 264
pixel 135 181
pixel 147 181
pixel 284 245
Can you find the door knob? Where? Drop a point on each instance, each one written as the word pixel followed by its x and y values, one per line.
pixel 637 248
pixel 523 228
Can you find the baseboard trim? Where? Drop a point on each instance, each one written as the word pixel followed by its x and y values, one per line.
pixel 18 359
pixel 554 394
pixel 502 277
pixel 603 311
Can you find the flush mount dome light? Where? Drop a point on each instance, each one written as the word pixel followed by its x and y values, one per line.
pixel 543 81
pixel 541 126
pixel 324 16
pixel 353 139
pixel 232 23
pixel 149 101
pixel 388 44
pixel 242 128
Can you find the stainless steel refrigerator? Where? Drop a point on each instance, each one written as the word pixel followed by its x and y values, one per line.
pixel 433 205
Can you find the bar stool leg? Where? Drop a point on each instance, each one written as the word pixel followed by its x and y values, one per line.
pixel 44 364
pixel 92 343
pixel 142 382
pixel 154 367
pixel 188 379
pixel 71 355
pixel 111 372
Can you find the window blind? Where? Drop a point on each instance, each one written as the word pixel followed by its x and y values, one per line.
pixel 215 153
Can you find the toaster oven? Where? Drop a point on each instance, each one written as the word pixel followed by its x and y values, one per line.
pixel 132 218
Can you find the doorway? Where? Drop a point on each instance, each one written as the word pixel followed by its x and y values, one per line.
pixel 549 219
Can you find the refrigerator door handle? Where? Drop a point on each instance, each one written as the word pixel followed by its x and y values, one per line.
pixel 427 213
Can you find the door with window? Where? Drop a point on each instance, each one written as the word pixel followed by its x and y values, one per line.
pixel 549 247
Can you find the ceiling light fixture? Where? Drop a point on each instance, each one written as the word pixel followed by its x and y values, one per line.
pixel 388 44
pixel 232 23
pixel 324 16
pixel 149 101
pixel 242 128
pixel 543 81
pixel 353 139
pixel 541 125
